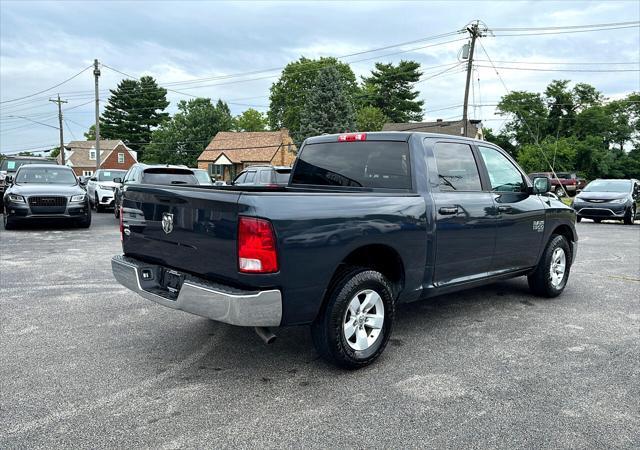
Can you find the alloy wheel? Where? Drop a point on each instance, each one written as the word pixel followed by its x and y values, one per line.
pixel 363 320
pixel 558 267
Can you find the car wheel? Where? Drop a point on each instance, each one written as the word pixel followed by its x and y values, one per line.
pixel 354 326
pixel 578 219
pixel 116 210
pixel 550 276
pixel 99 208
pixel 7 222
pixel 597 220
pixel 558 191
pixel 630 216
pixel 85 222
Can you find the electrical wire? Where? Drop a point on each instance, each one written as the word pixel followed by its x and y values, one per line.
pixel 48 89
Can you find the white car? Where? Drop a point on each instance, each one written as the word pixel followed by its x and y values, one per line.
pixel 100 188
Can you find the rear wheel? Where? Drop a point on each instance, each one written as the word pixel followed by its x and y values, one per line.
pixel 558 191
pixel 354 327
pixel 116 210
pixel 550 276
pixel 578 219
pixel 99 207
pixel 597 220
pixel 630 216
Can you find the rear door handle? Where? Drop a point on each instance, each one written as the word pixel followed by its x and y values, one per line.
pixel 448 210
pixel 504 208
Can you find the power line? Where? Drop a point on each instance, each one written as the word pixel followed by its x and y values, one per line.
pixel 564 32
pixel 48 89
pixel 533 69
pixel 568 27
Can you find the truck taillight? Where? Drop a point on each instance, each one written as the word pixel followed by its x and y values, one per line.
pixel 352 137
pixel 256 246
pixel 121 226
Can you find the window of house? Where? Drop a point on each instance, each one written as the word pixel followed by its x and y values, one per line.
pixel 92 154
pixel 457 168
pixel 120 158
pixel 87 173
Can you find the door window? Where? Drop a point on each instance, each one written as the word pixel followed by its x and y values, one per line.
pixel 457 168
pixel 240 178
pixel 250 177
pixel 503 175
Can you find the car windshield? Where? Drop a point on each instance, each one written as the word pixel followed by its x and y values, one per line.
pixel 12 165
pixel 608 186
pixel 109 175
pixel 202 176
pixel 45 175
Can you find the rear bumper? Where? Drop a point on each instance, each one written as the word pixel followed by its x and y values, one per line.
pixel 201 297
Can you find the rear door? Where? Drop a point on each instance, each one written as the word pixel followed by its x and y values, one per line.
pixel 465 223
pixel 520 216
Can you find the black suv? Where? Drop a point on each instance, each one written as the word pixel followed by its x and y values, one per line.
pixel 151 174
pixel 11 164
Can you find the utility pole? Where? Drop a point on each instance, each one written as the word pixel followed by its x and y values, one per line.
pixel 96 74
pixel 473 30
pixel 60 102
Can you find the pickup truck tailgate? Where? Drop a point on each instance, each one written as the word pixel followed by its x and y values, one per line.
pixel 188 228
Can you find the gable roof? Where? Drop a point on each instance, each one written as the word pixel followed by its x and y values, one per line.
pixel 452 127
pixel 77 152
pixel 246 146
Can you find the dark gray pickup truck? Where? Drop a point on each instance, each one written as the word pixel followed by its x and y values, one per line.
pixel 366 221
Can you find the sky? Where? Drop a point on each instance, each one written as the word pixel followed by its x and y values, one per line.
pixel 45 43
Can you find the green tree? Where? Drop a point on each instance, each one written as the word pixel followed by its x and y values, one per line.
pixel 560 153
pixel 329 107
pixel 54 152
pixel 528 112
pixel 250 120
pixel 134 109
pixel 562 108
pixel 390 88
pixel 501 140
pixel 182 139
pixel 90 134
pixel 289 94
pixel 370 118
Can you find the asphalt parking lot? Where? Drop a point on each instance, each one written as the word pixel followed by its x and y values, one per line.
pixel 86 363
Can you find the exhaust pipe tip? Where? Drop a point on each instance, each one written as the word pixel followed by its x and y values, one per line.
pixel 266 335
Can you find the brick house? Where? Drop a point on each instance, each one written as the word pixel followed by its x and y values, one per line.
pixel 452 127
pixel 230 152
pixel 114 154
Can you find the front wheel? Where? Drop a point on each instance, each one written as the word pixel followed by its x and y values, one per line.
pixel 550 276
pixel 630 216
pixel 354 326
pixel 99 207
pixel 578 219
pixel 7 222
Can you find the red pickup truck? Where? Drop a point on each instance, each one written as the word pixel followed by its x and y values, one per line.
pixel 567 179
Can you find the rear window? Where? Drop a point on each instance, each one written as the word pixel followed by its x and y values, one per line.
pixel 282 176
pixel 109 175
pixel 164 175
pixel 369 164
pixel 11 165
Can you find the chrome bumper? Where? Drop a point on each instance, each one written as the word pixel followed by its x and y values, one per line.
pixel 201 297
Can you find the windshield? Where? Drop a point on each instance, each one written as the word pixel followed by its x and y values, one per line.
pixel 608 186
pixel 42 175
pixel 109 175
pixel 202 176
pixel 11 165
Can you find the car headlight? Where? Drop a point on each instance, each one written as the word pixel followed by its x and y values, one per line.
pixel 105 188
pixel 78 198
pixel 619 200
pixel 16 198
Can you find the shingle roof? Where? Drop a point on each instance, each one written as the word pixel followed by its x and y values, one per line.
pixel 246 146
pixel 445 127
pixel 78 151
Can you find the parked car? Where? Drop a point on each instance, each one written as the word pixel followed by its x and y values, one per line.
pixel 43 191
pixel 141 173
pixel 11 164
pixel 609 199
pixel 414 216
pixel 203 177
pixel 568 180
pixel 266 175
pixel 100 188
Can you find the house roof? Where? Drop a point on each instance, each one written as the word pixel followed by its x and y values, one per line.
pixel 246 146
pixel 444 127
pixel 77 152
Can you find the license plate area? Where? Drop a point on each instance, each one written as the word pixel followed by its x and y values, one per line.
pixel 171 282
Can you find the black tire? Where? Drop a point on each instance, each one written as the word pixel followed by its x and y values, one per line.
pixel 85 222
pixel 630 216
pixel 540 281
pixel 7 222
pixel 99 208
pixel 597 220
pixel 327 331
pixel 558 191
pixel 116 210
pixel 578 219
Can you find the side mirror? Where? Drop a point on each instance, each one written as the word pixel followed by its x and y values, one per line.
pixel 83 181
pixel 93 179
pixel 117 180
pixel 8 179
pixel 541 185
